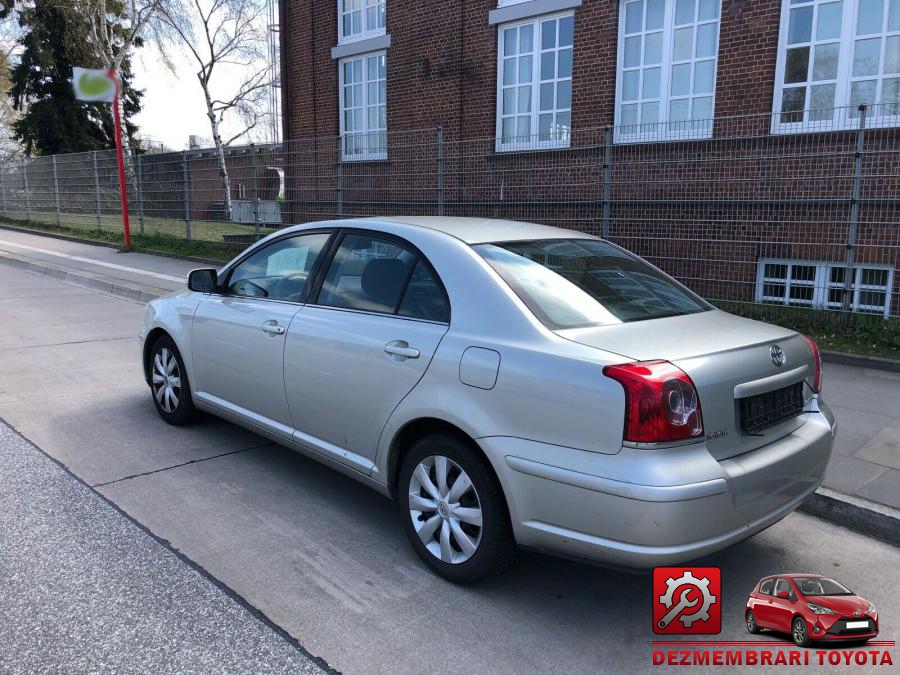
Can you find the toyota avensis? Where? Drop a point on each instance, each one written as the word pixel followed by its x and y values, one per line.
pixel 510 384
pixel 810 607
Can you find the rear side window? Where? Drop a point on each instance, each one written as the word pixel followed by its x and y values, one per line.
pixel 381 275
pixel 766 586
pixel 424 297
pixel 574 283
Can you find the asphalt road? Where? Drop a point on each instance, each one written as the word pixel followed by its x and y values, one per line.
pixel 324 557
pixel 83 588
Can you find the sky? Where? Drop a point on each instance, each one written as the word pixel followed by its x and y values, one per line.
pixel 173 103
pixel 173 106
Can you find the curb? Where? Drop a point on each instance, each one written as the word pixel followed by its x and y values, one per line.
pixel 106 244
pixel 85 280
pixel 861 361
pixel 63 237
pixel 860 515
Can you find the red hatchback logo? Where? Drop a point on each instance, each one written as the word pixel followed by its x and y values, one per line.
pixel 686 600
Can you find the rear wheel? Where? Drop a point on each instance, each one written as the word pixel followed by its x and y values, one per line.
pixel 454 510
pixel 169 383
pixel 752 626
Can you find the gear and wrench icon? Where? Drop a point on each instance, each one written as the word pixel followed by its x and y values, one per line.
pixel 690 581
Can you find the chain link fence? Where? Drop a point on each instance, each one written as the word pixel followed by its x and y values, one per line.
pixel 762 223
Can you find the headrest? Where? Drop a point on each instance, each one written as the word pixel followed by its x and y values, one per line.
pixel 382 279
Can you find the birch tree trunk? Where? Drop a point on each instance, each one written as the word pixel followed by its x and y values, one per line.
pixel 220 151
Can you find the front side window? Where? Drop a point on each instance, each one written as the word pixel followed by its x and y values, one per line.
pixel 574 283
pixel 363 94
pixel 359 19
pixel 667 69
pixel 835 55
pixel 782 586
pixel 534 87
pixel 279 271
pixel 825 285
pixel 379 275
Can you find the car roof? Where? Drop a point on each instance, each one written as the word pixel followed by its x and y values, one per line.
pixel 481 230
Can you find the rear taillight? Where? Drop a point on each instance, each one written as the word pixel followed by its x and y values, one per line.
pixel 817 357
pixel 661 402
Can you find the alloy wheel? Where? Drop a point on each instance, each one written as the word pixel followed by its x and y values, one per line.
pixel 445 509
pixel 799 631
pixel 751 622
pixel 166 380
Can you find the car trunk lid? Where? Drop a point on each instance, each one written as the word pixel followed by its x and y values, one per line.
pixel 728 359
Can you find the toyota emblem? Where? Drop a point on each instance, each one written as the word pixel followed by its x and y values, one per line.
pixel 856 613
pixel 777 354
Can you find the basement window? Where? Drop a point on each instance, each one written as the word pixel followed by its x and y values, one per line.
pixel 823 285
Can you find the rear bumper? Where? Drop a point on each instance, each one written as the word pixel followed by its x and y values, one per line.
pixel 643 508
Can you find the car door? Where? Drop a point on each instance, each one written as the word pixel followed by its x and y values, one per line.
pixel 353 354
pixel 763 607
pixel 238 333
pixel 783 608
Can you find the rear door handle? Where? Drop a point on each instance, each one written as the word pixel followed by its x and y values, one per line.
pixel 402 349
pixel 272 328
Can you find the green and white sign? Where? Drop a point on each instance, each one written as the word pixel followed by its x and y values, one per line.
pixel 92 85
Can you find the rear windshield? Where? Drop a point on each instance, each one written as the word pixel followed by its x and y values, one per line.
pixel 574 283
pixel 820 586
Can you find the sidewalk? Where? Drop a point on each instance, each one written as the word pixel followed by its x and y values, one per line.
pixel 866 458
pixel 866 401
pixel 85 589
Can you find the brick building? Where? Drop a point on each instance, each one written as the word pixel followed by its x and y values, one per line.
pixel 719 138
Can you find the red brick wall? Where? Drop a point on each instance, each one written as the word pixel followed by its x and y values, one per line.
pixel 442 64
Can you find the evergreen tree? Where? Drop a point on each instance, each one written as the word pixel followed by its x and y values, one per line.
pixel 51 120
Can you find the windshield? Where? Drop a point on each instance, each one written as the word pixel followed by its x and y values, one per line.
pixel 818 586
pixel 574 283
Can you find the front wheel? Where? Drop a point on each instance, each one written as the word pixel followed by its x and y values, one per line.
pixel 169 383
pixel 800 633
pixel 454 510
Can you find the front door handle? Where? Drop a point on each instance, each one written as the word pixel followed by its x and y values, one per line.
pixel 272 328
pixel 402 349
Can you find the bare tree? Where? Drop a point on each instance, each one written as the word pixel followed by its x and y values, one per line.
pixel 114 27
pixel 227 33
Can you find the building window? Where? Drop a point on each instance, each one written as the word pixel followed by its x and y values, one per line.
pixel 834 56
pixel 359 19
pixel 666 79
pixel 534 83
pixel 363 94
pixel 821 285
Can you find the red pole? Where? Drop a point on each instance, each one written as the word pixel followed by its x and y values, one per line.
pixel 121 158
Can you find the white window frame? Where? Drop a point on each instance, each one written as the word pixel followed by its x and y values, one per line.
pixel 663 132
pixel 822 284
pixel 534 143
pixel 507 3
pixel 365 156
pixel 367 32
pixel 841 115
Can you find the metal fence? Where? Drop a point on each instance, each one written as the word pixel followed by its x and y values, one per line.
pixel 762 222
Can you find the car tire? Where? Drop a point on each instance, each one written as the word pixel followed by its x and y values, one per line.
pixel 752 626
pixel 461 533
pixel 169 385
pixel 800 632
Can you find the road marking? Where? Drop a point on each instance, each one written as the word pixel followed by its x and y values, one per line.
pixel 78 258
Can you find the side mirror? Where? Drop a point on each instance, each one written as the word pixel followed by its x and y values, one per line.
pixel 783 594
pixel 203 280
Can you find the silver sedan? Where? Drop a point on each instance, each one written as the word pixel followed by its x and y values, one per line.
pixel 509 384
